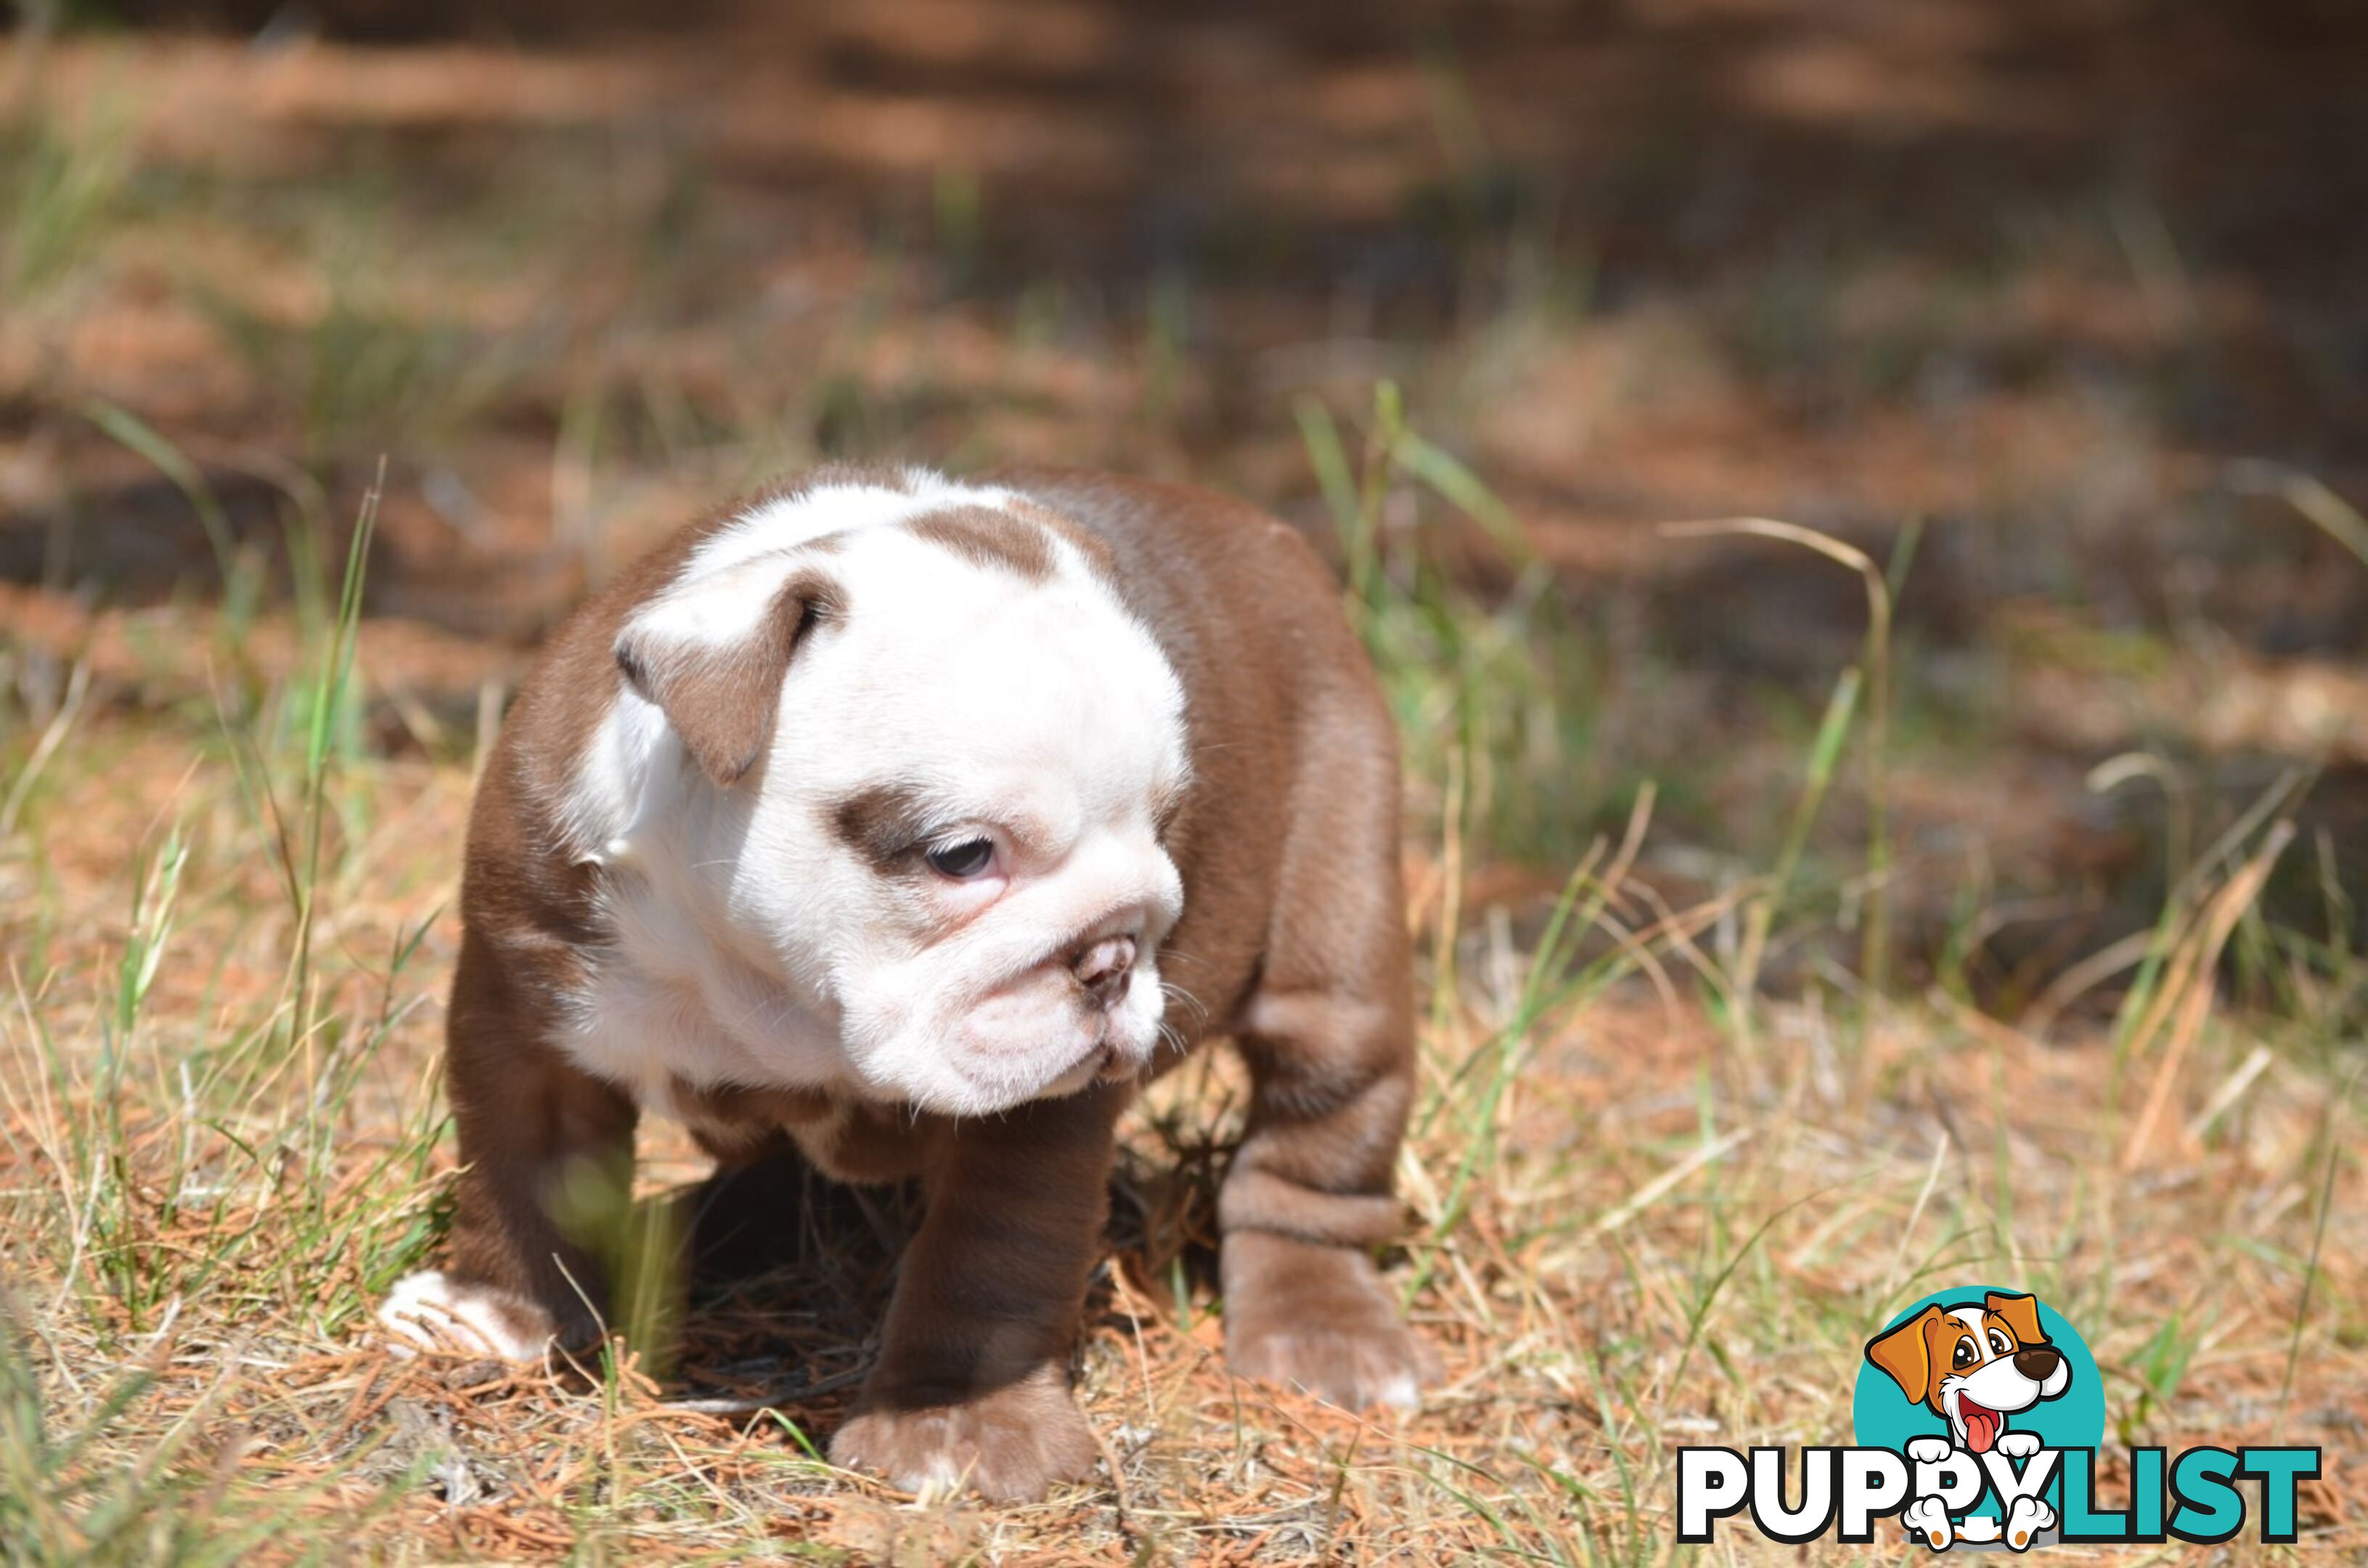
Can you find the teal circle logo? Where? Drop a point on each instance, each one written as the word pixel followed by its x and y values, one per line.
pixel 1971 1365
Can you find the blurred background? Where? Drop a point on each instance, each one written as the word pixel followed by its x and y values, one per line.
pixel 2053 309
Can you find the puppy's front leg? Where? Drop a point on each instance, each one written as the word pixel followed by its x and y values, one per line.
pixel 971 1387
pixel 535 1133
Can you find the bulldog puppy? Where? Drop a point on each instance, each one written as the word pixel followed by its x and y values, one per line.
pixel 919 821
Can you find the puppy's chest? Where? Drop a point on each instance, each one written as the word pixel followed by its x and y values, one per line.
pixel 669 1014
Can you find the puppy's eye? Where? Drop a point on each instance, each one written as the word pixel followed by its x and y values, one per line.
pixel 1999 1343
pixel 1964 1355
pixel 962 860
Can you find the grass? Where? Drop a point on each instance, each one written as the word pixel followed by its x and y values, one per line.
pixel 1723 1058
pixel 66 183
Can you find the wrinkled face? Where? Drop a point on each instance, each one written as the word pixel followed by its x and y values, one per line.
pixel 951 842
pixel 979 875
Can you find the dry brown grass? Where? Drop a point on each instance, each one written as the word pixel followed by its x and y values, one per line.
pixel 1630 1233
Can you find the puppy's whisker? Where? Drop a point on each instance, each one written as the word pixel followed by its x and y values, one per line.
pixel 1176 992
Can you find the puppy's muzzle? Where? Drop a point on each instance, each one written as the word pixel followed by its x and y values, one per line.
pixel 1103 967
pixel 2037 1362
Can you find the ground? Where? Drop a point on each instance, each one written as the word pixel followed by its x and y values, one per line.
pixel 1936 864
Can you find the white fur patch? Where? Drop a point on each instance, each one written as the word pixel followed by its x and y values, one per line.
pixel 732 575
pixel 754 946
pixel 808 515
pixel 429 1311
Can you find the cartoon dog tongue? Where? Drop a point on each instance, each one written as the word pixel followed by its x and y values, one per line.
pixel 1982 1425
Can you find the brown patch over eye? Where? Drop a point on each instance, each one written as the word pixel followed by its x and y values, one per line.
pixel 885 824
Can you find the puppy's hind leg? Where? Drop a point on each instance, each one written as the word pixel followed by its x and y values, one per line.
pixel 1328 1034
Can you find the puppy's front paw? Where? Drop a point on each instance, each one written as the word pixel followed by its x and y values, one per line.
pixel 2017 1445
pixel 431 1312
pixel 1319 1318
pixel 1011 1445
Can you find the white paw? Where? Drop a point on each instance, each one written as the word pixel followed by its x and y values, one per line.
pixel 2025 1520
pixel 1929 1451
pixel 428 1312
pixel 2018 1445
pixel 1929 1516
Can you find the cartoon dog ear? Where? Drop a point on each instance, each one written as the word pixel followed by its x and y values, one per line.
pixel 1905 1354
pixel 2021 1314
pixel 712 654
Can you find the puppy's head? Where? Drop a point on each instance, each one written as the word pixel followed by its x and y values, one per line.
pixel 926 761
pixel 1974 1365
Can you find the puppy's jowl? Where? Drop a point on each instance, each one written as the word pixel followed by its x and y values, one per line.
pixel 918 823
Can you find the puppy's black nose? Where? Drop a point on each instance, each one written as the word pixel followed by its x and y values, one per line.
pixel 2037 1362
pixel 1101 968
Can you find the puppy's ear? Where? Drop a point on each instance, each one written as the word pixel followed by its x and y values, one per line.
pixel 1905 1354
pixel 712 654
pixel 2021 1314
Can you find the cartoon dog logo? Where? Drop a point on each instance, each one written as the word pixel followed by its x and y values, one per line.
pixel 1974 1365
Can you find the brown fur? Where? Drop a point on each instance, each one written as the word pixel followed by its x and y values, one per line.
pixel 989 538
pixel 1293 940
pixel 882 825
pixel 723 704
